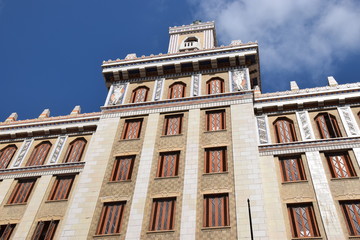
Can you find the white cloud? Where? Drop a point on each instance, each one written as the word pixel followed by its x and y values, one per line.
pixel 293 35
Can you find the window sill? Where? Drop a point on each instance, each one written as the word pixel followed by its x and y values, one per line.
pixel 215 228
pixel 106 235
pixel 170 177
pixel 215 173
pixel 298 181
pixel 173 135
pixel 354 237
pixel 221 130
pixel 131 139
pixel 344 178
pixel 307 238
pixel 14 204
pixel 160 231
pixel 60 200
pixel 122 181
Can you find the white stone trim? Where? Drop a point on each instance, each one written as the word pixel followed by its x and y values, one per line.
pixel 357 154
pixel 348 121
pixel 158 81
pixel 173 44
pixel 108 95
pixel 192 85
pixel 59 146
pixel 230 81
pixel 304 123
pixel 267 139
pixel 21 154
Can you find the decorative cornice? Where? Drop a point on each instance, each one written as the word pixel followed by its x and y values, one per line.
pixel 36 171
pixel 309 146
pixel 192 27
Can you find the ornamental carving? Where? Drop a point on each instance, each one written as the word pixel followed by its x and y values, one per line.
pixel 22 153
pixel 196 84
pixel 262 130
pixel 238 80
pixel 305 125
pixel 349 122
pixel 57 149
pixel 117 94
pixel 158 88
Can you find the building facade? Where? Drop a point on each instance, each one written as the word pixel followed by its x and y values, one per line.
pixel 186 146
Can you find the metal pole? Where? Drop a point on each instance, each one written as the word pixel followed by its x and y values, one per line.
pixel 251 228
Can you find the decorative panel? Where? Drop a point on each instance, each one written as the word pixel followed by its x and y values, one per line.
pixel 262 129
pixel 57 150
pixel 305 125
pixel 196 79
pixel 158 89
pixel 24 149
pixel 239 80
pixel 116 93
pixel 348 121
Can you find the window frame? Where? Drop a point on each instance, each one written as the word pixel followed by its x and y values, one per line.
pixel 209 220
pixel 14 197
pixel 103 220
pixel 125 133
pixel 349 220
pixel 311 217
pixel 59 192
pixel 45 227
pixel 222 124
pixel 136 92
pixel 280 135
pixel 288 173
pixel 6 155
pixel 37 157
pixel 73 148
pixel 166 129
pixel 167 217
pixel 6 231
pixel 116 171
pixel 223 160
pixel 330 122
pixel 171 93
pixel 347 163
pixel 211 81
pixel 161 167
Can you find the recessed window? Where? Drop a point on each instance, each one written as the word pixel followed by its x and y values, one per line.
pixel 45 230
pixel 173 124
pixel 215 160
pixel 61 188
pixel 139 95
pixel 22 191
pixel 177 90
pixel 6 230
pixel 75 150
pixel 216 210
pixel 168 164
pixel 39 154
pixel 215 85
pixel 284 130
pixel 122 169
pixel 303 221
pixel 327 125
pixel 351 211
pixel 340 165
pixel 215 120
pixel 6 154
pixel 132 129
pixel 162 214
pixel 292 169
pixel 110 219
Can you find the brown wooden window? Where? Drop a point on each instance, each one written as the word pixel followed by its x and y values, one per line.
pixel 173 124
pixel 340 165
pixel 6 231
pixel 215 120
pixel 215 85
pixel 351 211
pixel 75 150
pixel 22 191
pixel 110 219
pixel 292 169
pixel 39 154
pixel 216 210
pixel 284 130
pixel 45 230
pixel 132 129
pixel 62 187
pixel 327 126
pixel 303 221
pixel 177 90
pixel 139 95
pixel 122 169
pixel 168 164
pixel 162 214
pixel 6 154
pixel 215 160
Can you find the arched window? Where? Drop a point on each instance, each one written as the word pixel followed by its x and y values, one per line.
pixel 327 126
pixel 39 154
pixel 6 154
pixel 215 85
pixel 284 130
pixel 177 90
pixel 75 150
pixel 139 95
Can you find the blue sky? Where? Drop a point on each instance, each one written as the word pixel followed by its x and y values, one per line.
pixel 51 51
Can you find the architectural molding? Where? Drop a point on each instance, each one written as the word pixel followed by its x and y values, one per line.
pixel 262 127
pixel 305 127
pixel 59 145
pixel 23 151
pixel 348 121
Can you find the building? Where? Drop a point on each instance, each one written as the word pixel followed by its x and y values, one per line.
pixel 181 144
